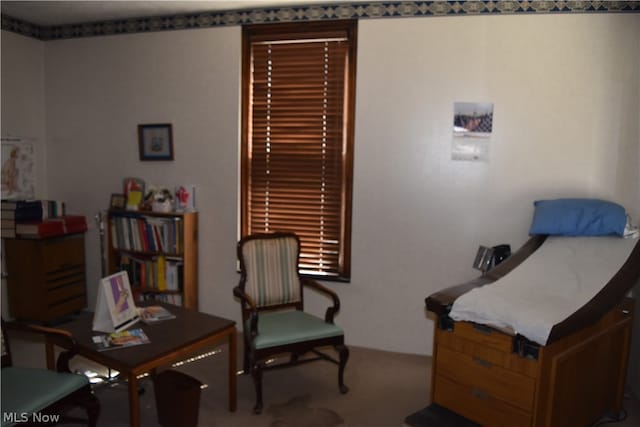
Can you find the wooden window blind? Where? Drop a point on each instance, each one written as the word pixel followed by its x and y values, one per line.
pixel 297 138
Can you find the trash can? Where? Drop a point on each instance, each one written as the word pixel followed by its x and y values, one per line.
pixel 177 399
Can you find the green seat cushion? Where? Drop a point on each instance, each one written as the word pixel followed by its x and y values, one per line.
pixel 29 390
pixel 289 327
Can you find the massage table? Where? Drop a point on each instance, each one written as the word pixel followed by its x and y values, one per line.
pixel 495 375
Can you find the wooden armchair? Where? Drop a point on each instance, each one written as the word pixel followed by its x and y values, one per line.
pixel 274 323
pixel 38 395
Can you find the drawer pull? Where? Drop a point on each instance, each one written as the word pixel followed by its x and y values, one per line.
pixel 479 394
pixel 483 329
pixel 482 362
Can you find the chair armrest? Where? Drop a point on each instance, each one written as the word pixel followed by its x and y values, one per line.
pixel 59 337
pixel 249 304
pixel 331 311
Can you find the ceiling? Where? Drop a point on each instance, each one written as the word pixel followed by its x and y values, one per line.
pixel 48 13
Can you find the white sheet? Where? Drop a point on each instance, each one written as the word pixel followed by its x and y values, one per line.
pixel 554 282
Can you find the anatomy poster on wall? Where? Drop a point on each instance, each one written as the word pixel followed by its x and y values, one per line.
pixel 472 127
pixel 18 169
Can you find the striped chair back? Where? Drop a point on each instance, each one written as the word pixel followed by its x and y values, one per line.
pixel 270 263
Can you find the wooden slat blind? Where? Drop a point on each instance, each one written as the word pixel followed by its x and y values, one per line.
pixel 298 137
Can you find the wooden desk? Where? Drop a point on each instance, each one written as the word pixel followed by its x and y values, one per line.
pixel 171 341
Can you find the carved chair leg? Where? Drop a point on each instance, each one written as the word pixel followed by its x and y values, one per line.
pixel 344 356
pixel 256 373
pixel 246 367
pixel 93 410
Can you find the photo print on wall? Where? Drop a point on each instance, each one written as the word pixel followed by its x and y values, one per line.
pixel 472 128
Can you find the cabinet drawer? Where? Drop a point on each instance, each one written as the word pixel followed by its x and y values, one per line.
pixel 62 253
pixel 458 340
pixel 495 381
pixel 477 405
pixel 484 336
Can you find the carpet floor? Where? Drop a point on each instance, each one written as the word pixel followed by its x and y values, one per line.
pixel 385 389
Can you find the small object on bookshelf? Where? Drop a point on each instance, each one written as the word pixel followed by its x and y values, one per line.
pixel 134 193
pixel 158 199
pixel 154 314
pixel 118 201
pixel 185 198
pixel 120 339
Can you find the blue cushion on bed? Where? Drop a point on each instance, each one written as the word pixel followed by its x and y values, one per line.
pixel 578 217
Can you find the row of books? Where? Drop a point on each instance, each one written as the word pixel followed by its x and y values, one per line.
pixel 31 210
pixel 155 272
pixel 175 299
pixel 147 234
pixel 38 219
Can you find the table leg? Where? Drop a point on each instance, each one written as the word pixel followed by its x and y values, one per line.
pixel 50 354
pixel 232 370
pixel 134 401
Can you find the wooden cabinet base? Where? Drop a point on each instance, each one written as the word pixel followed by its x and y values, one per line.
pixel 46 278
pixel 573 382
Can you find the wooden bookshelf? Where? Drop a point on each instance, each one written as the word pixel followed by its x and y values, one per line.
pixel 160 253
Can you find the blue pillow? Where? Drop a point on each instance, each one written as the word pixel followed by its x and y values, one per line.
pixel 578 217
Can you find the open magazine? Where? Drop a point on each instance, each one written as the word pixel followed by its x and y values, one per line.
pixel 154 314
pixel 120 339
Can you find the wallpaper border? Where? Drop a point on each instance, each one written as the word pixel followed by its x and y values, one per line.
pixel 372 10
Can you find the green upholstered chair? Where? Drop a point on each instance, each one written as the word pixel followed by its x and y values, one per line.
pixel 38 394
pixel 271 296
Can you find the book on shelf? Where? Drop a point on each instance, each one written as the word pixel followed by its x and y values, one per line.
pixel 169 298
pixel 154 314
pixel 122 339
pixel 7 214
pixel 31 210
pixel 47 228
pixel 153 272
pixel 8 232
pixel 145 233
pixel 73 223
pixel 59 226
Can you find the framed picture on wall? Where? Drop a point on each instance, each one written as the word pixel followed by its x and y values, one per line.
pixel 155 141
pixel 18 168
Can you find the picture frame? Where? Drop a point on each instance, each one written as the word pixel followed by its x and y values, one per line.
pixel 118 201
pixel 155 141
pixel 18 168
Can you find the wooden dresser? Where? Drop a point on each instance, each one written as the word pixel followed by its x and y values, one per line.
pixel 484 374
pixel 46 278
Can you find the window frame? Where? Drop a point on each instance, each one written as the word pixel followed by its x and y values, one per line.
pixel 293 31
